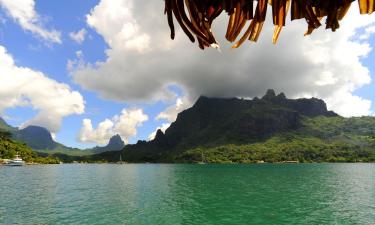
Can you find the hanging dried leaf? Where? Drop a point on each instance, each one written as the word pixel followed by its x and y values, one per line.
pixel 195 17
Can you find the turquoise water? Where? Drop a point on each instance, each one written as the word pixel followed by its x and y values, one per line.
pixel 188 194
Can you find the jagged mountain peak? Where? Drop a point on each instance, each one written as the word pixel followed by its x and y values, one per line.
pixel 269 95
pixel 115 144
pixel 115 141
pixel 223 118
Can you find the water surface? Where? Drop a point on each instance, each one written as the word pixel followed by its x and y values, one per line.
pixel 188 194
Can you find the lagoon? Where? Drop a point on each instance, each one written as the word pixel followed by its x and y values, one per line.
pixel 188 194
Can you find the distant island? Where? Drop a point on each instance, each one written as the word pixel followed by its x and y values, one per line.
pixel 232 130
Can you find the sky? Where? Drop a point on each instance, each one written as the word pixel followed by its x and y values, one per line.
pixel 87 70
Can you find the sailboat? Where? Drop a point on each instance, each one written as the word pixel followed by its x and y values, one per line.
pixel 121 162
pixel 202 159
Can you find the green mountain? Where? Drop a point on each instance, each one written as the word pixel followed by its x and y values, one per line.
pixel 5 127
pixel 114 144
pixel 217 130
pixel 40 140
pixel 9 148
pixel 37 138
pixel 271 129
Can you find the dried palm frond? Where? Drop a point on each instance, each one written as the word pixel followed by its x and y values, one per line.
pixel 195 17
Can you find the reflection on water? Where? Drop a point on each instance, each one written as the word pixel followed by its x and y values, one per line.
pixel 188 194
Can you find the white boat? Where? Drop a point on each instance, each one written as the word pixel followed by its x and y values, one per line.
pixel 17 161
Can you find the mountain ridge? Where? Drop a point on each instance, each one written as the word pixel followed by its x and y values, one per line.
pixel 40 139
pixel 242 127
pixel 234 130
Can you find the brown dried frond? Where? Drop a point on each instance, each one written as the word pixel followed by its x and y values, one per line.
pixel 195 17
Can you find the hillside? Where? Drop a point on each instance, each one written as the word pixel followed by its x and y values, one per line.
pixel 272 129
pixel 36 137
pixel 217 130
pixel 40 139
pixel 5 127
pixel 9 148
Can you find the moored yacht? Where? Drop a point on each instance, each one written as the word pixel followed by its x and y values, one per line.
pixel 16 161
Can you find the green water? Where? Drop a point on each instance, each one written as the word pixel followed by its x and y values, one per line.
pixel 188 194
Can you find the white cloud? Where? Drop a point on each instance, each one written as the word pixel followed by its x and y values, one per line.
pixel 125 125
pixel 368 32
pixel 326 65
pixel 163 127
pixel 350 105
pixel 54 137
pixel 22 86
pixel 76 63
pixel 124 31
pixel 78 36
pixel 171 112
pixel 23 12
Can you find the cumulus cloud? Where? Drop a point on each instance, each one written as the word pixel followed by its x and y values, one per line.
pixel 368 32
pixel 125 125
pixel 140 68
pixel 163 127
pixel 78 36
pixel 22 86
pixel 23 12
pixel 124 31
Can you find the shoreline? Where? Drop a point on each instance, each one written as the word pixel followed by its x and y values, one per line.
pixel 180 163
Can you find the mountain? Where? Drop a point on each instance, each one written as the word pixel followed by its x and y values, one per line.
pixel 114 144
pixel 5 127
pixel 273 128
pixel 36 137
pixel 40 139
pixel 10 147
pixel 232 130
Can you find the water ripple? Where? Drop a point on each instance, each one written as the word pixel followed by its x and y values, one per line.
pixel 188 194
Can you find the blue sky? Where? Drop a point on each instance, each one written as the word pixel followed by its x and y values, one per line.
pixel 163 79
pixel 32 52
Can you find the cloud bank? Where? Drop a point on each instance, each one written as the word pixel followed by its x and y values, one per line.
pixel 142 61
pixel 23 12
pixel 24 87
